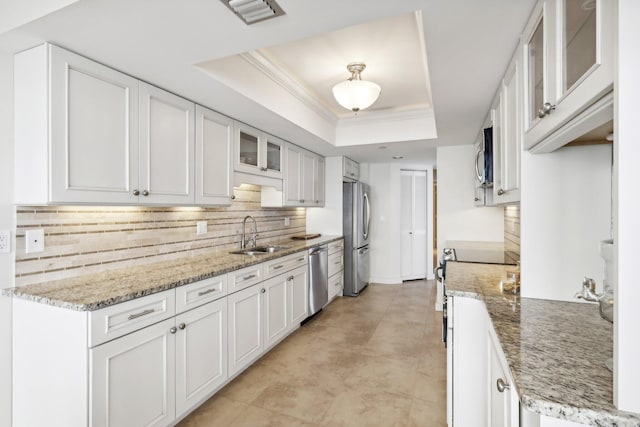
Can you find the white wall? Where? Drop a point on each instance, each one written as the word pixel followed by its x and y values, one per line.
pixel 7 221
pixel 385 241
pixel 565 213
pixel 626 352
pixel 328 219
pixel 458 217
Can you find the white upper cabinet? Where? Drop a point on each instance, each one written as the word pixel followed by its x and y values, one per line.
pixel 86 133
pixel 350 169
pixel 568 71
pixel 167 145
pixel 257 152
pixel 214 149
pixel 76 127
pixel 303 182
pixel 507 146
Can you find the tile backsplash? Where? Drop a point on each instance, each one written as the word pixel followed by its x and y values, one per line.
pixel 87 239
pixel 512 232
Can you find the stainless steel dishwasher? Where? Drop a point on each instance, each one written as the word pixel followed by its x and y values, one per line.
pixel 318 278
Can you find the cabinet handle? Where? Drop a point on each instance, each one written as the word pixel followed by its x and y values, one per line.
pixel 302 201
pixel 278 267
pixel 142 313
pixel 145 193
pixel 208 291
pixel 251 276
pixel 136 192
pixel 476 199
pixel 290 278
pixel 173 330
pixel 546 109
pixel 337 263
pixel 317 201
pixel 501 192
pixel 181 326
pixel 502 385
pixel 263 290
pixel 233 197
pixel 300 259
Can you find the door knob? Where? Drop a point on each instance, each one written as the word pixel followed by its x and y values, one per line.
pixel 502 385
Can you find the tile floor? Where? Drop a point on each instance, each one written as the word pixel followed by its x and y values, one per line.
pixel 375 360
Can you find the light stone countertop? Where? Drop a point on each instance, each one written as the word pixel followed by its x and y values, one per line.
pixel 556 350
pixel 96 291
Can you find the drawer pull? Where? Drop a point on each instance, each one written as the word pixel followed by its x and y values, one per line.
pixel 300 259
pixel 208 291
pixel 142 313
pixel 290 278
pixel 251 276
pixel 278 267
pixel 337 262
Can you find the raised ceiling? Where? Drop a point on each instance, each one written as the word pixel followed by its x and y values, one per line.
pixel 468 44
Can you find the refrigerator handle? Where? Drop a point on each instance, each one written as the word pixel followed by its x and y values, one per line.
pixel 366 214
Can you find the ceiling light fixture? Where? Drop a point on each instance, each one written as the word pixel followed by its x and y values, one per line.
pixel 356 94
pixel 252 11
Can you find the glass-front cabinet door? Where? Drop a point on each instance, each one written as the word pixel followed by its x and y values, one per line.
pixel 257 152
pixel 568 51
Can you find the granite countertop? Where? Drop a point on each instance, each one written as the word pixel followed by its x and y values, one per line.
pixel 95 291
pixel 556 350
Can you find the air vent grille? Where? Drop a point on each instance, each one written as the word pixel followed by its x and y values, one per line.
pixel 252 11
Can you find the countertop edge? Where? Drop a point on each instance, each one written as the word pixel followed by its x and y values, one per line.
pixel 549 408
pixel 21 292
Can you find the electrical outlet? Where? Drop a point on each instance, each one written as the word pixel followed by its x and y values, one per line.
pixel 287 222
pixel 5 241
pixel 34 241
pixel 201 228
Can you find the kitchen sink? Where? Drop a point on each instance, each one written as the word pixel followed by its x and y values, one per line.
pixel 260 250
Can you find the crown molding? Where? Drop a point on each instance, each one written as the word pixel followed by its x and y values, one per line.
pixel 263 64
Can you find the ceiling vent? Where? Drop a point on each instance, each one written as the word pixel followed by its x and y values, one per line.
pixel 252 11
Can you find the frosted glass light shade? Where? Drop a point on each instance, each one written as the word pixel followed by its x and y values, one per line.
pixel 356 95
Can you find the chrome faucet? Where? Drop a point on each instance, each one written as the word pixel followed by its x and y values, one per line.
pixel 588 292
pixel 244 241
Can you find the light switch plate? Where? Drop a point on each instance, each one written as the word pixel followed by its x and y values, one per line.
pixel 201 228
pixel 5 241
pixel 34 241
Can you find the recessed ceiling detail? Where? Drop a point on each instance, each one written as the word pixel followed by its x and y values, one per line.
pixel 252 11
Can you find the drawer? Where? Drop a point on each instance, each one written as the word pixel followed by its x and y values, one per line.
pixel 200 292
pixel 337 246
pixel 120 319
pixel 336 285
pixel 286 263
pixel 245 277
pixel 336 263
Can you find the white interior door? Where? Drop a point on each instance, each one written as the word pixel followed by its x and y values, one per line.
pixel 413 227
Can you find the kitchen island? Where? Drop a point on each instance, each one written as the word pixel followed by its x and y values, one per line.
pixel 555 350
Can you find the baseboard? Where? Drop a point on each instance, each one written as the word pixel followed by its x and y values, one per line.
pixel 385 280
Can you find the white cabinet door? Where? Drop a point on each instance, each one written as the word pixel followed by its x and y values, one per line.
pixel 245 328
pixel 201 353
pixel 132 379
pixel 214 149
pixel 319 181
pixel 298 296
pixel 167 147
pixel 308 178
pixel 257 152
pixel 94 129
pixel 275 309
pixel 499 409
pixel 569 66
pixel 506 163
pixel 293 175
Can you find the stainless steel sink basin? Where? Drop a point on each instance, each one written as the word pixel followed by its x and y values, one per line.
pixel 259 250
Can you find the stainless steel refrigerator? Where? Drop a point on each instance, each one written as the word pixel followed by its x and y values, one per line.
pixel 356 218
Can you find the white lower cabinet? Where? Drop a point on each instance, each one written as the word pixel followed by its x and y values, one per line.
pixel 245 328
pixel 504 405
pixel 298 295
pixel 151 360
pixel 201 354
pixel 132 379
